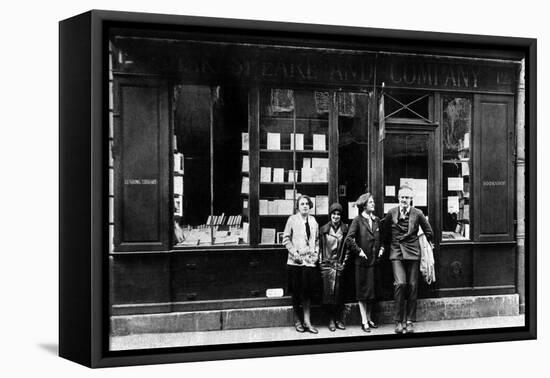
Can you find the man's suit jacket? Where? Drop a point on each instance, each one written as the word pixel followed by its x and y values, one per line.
pixel 405 245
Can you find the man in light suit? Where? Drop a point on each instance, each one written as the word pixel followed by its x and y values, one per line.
pixel 400 230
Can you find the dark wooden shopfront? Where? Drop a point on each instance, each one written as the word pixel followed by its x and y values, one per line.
pixel 155 81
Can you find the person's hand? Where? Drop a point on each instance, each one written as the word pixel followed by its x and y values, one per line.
pixel 298 257
pixel 381 252
pixel 363 255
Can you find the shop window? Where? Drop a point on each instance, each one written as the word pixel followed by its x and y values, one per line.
pixel 209 170
pixel 293 156
pixel 353 151
pixel 456 136
pixel 213 184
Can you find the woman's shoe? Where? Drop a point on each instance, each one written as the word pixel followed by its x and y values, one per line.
pixel 331 326
pixel 398 327
pixel 340 325
pixel 365 327
pixel 372 324
pixel 299 327
pixel 311 329
pixel 409 327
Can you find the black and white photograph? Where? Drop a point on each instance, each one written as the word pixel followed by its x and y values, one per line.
pixel 270 187
pixel 278 189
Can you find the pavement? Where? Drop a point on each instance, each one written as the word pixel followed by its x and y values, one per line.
pixel 237 336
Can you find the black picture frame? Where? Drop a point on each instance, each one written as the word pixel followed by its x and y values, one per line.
pixel 83 265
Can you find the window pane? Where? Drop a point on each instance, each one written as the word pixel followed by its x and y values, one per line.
pixel 192 165
pixel 407 105
pixel 353 155
pixel 230 166
pixel 293 156
pixel 209 123
pixel 406 162
pixel 457 120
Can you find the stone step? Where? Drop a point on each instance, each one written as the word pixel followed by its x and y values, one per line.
pixel 430 309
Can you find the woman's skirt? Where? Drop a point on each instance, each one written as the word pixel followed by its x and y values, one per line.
pixel 364 283
pixel 301 280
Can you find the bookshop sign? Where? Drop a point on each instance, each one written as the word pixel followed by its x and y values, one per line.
pixel 224 63
pixel 280 65
pixel 445 74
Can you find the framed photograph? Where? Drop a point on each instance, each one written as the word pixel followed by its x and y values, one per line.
pixel 431 136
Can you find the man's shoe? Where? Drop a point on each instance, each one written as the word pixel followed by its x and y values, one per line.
pixel 299 327
pixel 365 328
pixel 311 329
pixel 340 325
pixel 409 327
pixel 372 324
pixel 331 326
pixel 398 327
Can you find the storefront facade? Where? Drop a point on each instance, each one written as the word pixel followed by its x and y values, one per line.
pixel 212 140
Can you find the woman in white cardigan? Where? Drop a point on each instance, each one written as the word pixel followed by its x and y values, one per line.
pixel 301 238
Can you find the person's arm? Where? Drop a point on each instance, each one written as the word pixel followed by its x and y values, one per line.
pixel 385 234
pixel 427 228
pixel 350 239
pixel 287 239
pixel 317 236
pixel 380 242
pixel 321 239
pixel 345 247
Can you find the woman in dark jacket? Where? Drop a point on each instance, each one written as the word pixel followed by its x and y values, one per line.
pixel 332 259
pixel 363 243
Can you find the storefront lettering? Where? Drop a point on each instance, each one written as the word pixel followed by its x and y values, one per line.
pixel 494 183
pixel 319 66
pixel 351 73
pixel 140 182
pixel 240 67
pixel 297 68
pixel 300 71
pixel 425 74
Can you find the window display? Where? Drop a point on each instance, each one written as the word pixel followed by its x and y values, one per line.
pixel 294 153
pixel 213 158
pixel 211 164
pixel 456 131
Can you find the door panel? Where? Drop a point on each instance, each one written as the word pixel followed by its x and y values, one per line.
pixel 408 157
pixel 407 160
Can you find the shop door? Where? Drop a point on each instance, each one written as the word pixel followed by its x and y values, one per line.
pixel 408 157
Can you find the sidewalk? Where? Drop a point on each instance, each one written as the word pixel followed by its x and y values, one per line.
pixel 159 340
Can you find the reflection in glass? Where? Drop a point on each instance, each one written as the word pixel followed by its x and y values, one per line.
pixel 457 120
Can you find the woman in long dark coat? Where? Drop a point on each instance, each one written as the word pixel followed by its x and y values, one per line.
pixel 332 260
pixel 363 243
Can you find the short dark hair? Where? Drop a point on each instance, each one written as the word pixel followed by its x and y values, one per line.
pixel 362 201
pixel 309 201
